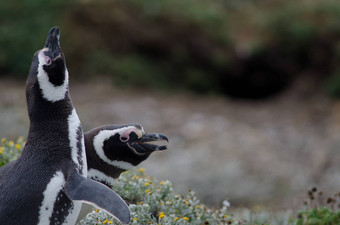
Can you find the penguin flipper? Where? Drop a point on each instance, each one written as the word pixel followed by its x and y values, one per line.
pixel 79 188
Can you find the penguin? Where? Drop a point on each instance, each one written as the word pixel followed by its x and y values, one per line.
pixel 113 149
pixel 48 183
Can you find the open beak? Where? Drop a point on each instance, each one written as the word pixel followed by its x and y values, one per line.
pixel 52 42
pixel 145 145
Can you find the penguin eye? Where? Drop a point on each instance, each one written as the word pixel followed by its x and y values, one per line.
pixel 124 138
pixel 48 61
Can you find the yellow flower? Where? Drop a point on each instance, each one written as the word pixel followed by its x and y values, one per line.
pixel 225 216
pixel 11 143
pixel 110 221
pixel 162 182
pixel 105 222
pixel 161 215
pixel 3 141
pixel 1 150
pixel 141 170
pixel 148 191
pixel 197 206
pixel 186 218
pixel 176 219
pixel 147 184
pixel 21 138
pixel 97 210
pixel 17 146
pixel 134 219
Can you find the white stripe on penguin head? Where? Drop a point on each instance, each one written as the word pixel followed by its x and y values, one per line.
pixel 98 143
pixel 50 92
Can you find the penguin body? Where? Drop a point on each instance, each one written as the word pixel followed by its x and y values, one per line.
pixel 115 142
pixel 48 184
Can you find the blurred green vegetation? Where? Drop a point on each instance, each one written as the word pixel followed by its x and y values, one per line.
pixel 239 48
pixel 23 26
pixel 153 202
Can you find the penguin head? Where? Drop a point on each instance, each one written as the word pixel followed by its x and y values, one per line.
pixel 128 144
pixel 48 76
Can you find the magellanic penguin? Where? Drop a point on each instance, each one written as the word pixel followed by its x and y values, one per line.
pixel 48 184
pixel 113 149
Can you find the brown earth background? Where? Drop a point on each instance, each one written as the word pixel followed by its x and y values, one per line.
pixel 266 152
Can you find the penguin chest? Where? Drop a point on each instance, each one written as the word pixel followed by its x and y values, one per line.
pixel 56 208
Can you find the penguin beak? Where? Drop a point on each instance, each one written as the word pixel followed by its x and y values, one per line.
pixel 143 144
pixel 52 42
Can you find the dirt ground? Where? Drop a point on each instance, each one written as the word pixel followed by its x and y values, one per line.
pixel 252 153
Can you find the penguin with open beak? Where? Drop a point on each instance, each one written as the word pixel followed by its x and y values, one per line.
pixel 114 149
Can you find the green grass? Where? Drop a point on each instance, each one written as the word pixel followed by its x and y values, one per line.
pixel 320 210
pixel 155 202
pixel 319 216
